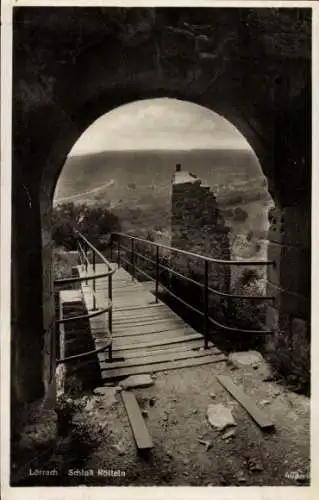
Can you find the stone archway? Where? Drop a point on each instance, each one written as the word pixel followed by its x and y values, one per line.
pixel 247 74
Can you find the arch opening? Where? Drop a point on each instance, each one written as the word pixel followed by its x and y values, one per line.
pixel 268 102
pixel 125 162
pixel 158 134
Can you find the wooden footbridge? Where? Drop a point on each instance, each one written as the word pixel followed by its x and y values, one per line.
pixel 133 330
pixel 146 336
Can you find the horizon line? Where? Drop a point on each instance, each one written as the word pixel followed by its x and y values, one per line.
pixel 157 150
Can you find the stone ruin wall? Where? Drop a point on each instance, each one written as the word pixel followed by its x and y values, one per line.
pixel 197 225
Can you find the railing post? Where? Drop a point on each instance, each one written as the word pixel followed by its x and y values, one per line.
pixel 118 252
pixel 81 256
pixel 94 282
pixel 110 294
pixel 206 305
pixel 111 247
pixel 157 274
pixel 86 261
pixel 133 259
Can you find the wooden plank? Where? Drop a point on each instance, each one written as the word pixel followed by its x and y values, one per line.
pixel 143 310
pixel 137 301
pixel 163 328
pixel 158 358
pixel 118 323
pixel 160 305
pixel 157 342
pixel 151 315
pixel 260 417
pixel 137 296
pixel 141 435
pixel 127 316
pixel 139 322
pixel 141 339
pixel 156 326
pixel 139 353
pixel 129 291
pixel 171 365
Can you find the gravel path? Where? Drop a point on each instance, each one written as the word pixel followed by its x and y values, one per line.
pixel 177 421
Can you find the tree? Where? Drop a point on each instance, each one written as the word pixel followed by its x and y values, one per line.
pixel 94 222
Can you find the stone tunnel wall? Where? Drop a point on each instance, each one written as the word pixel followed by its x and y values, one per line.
pixel 197 225
pixel 249 72
pixel 290 279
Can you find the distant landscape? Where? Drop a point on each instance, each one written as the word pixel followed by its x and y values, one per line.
pixel 136 186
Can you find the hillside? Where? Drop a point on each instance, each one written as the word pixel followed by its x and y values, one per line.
pixel 147 174
pixel 137 187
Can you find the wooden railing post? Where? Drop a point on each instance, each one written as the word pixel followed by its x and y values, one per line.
pixel 157 275
pixel 206 305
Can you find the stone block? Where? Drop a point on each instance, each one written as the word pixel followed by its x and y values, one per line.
pixel 137 381
pixel 299 329
pixel 295 270
pixel 289 302
pixel 297 226
pixel 272 318
pixel 276 226
pixel 294 304
pixel 248 358
pixel 291 270
pixel 48 310
pixel 275 254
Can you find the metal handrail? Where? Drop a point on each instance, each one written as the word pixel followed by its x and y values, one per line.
pixel 213 290
pixel 83 247
pixel 98 312
pixel 86 354
pixel 76 279
pixel 198 256
pixel 204 286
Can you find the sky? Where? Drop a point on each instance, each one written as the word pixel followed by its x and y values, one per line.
pixel 159 124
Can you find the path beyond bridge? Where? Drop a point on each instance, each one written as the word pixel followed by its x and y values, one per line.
pixel 147 336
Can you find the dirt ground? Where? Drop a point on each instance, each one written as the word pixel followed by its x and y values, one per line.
pixel 177 421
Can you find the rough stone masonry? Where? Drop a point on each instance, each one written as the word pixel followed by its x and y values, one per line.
pixel 197 225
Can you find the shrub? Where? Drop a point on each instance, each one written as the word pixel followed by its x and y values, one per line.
pixel 290 361
pixel 94 222
pixel 240 215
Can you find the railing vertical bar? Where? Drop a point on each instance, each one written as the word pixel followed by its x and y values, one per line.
pixel 118 252
pixel 94 282
pixel 110 316
pixel 133 259
pixel 111 248
pixel 157 275
pixel 80 254
pixel 86 261
pixel 206 305
pixel 110 295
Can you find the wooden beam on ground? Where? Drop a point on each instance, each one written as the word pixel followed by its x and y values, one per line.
pixel 257 415
pixel 141 435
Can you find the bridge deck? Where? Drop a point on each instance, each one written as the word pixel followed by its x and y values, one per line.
pixel 147 337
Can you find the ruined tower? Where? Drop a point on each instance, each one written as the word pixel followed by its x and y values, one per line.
pixel 198 226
